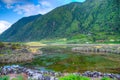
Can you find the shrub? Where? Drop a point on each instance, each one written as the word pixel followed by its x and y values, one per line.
pixel 15 46
pixel 20 77
pixel 74 77
pixel 4 78
pixel 15 79
pixel 106 78
pixel 1 45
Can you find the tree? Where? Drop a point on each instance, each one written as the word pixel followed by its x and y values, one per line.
pixel 1 45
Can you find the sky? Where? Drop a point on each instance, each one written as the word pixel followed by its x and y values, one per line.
pixel 12 10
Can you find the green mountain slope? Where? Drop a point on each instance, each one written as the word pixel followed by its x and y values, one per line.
pixel 15 30
pixel 92 20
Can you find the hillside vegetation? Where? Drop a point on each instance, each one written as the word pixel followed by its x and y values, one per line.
pixel 92 20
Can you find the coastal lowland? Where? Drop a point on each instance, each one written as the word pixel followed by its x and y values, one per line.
pixel 55 62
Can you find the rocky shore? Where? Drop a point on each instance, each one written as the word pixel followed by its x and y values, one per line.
pixel 50 75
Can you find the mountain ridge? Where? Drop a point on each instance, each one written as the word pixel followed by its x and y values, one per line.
pixel 91 20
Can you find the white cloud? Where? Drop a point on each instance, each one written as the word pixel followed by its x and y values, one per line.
pixel 8 1
pixel 26 8
pixel 45 4
pixel 4 25
pixel 31 9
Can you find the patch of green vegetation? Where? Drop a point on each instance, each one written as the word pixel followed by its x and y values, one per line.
pixel 4 78
pixel 34 44
pixel 47 59
pixel 19 77
pixel 1 45
pixel 54 41
pixel 15 46
pixel 74 77
pixel 106 78
pixel 82 39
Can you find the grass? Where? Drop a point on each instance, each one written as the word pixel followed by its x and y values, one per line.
pixel 106 78
pixel 74 77
pixel 78 40
pixel 77 77
pixel 35 44
pixel 4 78
pixel 19 77
pixel 1 54
pixel 68 77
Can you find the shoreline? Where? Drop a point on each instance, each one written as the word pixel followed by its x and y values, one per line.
pixel 16 70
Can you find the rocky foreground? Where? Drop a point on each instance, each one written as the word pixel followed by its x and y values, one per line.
pixel 49 75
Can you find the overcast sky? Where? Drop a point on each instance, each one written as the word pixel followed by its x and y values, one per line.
pixel 12 10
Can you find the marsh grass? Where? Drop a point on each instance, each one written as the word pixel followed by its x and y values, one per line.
pixel 64 60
